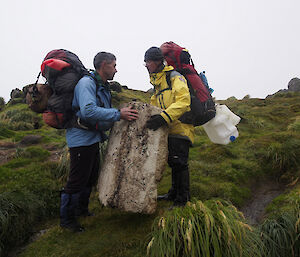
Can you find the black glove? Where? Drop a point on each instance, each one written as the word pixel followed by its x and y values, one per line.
pixel 155 122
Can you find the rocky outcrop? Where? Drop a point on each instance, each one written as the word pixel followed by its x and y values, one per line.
pixel 134 163
pixel 16 93
pixel 294 85
pixel 115 86
pixel 150 91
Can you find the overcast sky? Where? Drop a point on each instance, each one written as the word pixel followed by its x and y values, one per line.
pixel 245 46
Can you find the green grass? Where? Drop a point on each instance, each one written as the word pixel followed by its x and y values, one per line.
pixel 28 194
pixel 295 126
pixel 128 95
pixel 109 233
pixel 204 229
pixel 280 232
pixel 18 212
pixel 19 117
pixel 268 145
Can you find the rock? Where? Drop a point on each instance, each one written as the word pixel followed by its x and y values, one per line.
pixel 134 163
pixel 294 85
pixel 16 93
pixel 31 140
pixel 115 86
pixel 150 91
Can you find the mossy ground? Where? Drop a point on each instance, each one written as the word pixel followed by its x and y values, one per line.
pixel 268 146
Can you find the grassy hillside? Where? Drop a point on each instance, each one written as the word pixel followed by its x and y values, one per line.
pixel 267 149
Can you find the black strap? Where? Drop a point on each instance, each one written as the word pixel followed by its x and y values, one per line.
pixel 168 79
pixel 97 87
pixel 37 79
pixel 35 90
pixel 192 63
pixel 77 122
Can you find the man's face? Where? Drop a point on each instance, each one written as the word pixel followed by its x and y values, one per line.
pixel 109 69
pixel 152 66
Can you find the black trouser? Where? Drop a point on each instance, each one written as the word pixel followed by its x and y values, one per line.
pixel 84 168
pixel 178 161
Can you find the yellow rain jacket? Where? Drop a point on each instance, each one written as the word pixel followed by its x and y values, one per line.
pixel 175 101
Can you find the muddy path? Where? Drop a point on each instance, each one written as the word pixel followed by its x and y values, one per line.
pixel 263 193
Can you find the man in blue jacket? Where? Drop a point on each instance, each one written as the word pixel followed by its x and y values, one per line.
pixel 92 104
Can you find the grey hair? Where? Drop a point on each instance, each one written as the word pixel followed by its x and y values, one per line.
pixel 101 57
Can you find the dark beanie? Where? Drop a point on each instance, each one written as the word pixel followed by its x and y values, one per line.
pixel 153 54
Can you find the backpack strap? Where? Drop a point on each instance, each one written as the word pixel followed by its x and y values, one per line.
pixel 35 92
pixel 168 79
pixel 169 74
pixel 184 72
pixel 97 87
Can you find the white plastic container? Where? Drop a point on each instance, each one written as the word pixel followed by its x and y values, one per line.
pixel 222 128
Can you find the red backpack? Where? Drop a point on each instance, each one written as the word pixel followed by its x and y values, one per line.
pixel 62 70
pixel 202 104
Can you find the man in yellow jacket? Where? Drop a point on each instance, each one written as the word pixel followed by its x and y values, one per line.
pixel 174 100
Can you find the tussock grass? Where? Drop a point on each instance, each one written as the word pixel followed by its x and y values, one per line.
pixel 128 95
pixel 268 132
pixel 28 194
pixel 16 101
pixel 5 132
pixel 61 173
pixel 256 123
pixel 32 152
pixel 284 156
pixel 20 117
pixel 212 228
pixel 18 211
pixel 295 126
pixel 281 233
pixel 62 170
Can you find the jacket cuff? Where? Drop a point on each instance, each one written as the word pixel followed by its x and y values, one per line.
pixel 166 117
pixel 118 114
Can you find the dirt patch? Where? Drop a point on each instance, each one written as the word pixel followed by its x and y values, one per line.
pixel 263 193
pixel 55 152
pixel 7 151
pixel 6 155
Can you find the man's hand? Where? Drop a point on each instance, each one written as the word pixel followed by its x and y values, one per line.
pixel 155 122
pixel 129 114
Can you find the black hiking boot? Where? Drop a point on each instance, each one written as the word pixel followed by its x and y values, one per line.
pixel 73 227
pixel 84 199
pixel 68 206
pixel 165 197
pixel 80 213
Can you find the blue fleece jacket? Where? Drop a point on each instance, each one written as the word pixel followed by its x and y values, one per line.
pixel 90 109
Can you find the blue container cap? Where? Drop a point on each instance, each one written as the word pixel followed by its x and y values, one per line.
pixel 232 138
